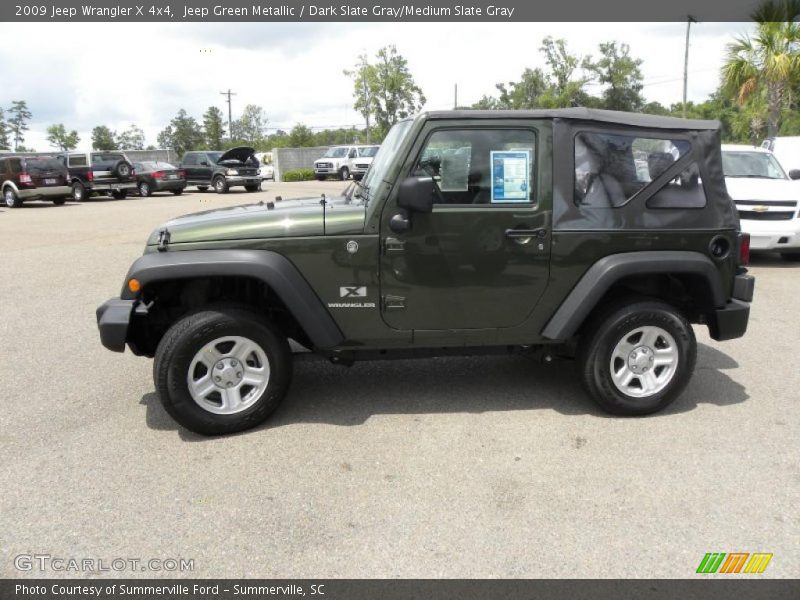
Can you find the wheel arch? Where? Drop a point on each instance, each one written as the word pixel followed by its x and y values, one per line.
pixel 666 275
pixel 271 269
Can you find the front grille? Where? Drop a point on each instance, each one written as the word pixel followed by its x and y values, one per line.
pixel 324 165
pixel 766 216
pixel 361 166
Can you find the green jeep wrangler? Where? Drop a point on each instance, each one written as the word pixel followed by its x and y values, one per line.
pixel 580 233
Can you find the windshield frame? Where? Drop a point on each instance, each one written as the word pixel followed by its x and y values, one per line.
pixel 375 181
pixel 768 157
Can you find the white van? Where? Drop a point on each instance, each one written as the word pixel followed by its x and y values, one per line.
pixel 343 161
pixel 787 151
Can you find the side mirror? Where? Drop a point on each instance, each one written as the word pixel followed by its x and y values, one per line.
pixel 794 174
pixel 204 163
pixel 416 194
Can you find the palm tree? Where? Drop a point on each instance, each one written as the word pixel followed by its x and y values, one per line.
pixel 767 63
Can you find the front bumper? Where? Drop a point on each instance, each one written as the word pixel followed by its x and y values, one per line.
pixel 772 235
pixel 243 179
pixel 730 322
pixel 113 318
pixel 55 191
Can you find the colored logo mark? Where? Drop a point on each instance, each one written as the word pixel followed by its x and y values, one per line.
pixel 734 562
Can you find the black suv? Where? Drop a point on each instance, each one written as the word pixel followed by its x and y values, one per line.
pixel 99 172
pixel 597 235
pixel 222 170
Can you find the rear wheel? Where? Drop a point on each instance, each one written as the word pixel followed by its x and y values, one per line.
pixel 11 198
pixel 637 358
pixel 222 370
pixel 791 256
pixel 220 185
pixel 79 192
pixel 144 189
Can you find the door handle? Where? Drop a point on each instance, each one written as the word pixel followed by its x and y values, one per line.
pixel 526 233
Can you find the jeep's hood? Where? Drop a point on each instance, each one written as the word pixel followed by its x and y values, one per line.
pixel 290 218
pixel 240 153
pixel 758 188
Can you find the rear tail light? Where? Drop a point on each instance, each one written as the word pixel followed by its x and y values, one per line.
pixel 744 248
pixel 158 174
pixel 182 173
pixel 25 178
pixel 90 175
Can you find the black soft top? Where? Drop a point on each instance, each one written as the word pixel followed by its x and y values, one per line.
pixel 582 114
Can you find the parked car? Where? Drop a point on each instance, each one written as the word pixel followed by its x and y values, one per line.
pixel 533 236
pixel 766 198
pixel 155 176
pixel 99 173
pixel 363 160
pixel 33 178
pixel 266 170
pixel 786 149
pixel 339 161
pixel 222 170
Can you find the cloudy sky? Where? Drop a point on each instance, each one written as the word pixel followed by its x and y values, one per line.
pixel 115 74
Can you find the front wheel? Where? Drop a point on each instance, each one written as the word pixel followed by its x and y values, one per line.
pixel 222 370
pixel 344 173
pixel 144 189
pixel 220 185
pixel 636 359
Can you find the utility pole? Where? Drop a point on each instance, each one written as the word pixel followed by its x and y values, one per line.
pixel 364 65
pixel 689 20
pixel 455 98
pixel 229 93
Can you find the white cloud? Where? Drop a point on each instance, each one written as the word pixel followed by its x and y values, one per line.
pixel 115 74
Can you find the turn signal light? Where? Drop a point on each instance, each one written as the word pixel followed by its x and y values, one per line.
pixel 134 285
pixel 744 248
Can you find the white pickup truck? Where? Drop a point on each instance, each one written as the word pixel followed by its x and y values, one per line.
pixel 767 199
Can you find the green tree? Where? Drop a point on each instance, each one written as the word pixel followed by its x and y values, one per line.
pixel 251 126
pixel 766 65
pixel 60 138
pixel 5 143
pixel 18 121
pixel 621 75
pixel 525 93
pixel 131 139
pixel 385 91
pixel 214 128
pixel 103 138
pixel 564 88
pixel 300 136
pixel 182 134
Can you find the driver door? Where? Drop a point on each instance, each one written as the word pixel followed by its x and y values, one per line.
pixel 480 259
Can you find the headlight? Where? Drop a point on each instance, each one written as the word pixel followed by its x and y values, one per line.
pixel 231 172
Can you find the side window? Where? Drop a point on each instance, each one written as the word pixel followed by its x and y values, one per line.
pixel 352 153
pixel 190 159
pixel 481 166
pixel 2 167
pixel 77 160
pixel 610 168
pixel 15 166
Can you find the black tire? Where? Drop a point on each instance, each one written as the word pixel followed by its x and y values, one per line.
pixel 344 173
pixel 220 185
pixel 11 197
pixel 59 201
pixel 358 177
pixel 177 192
pixel 252 188
pixel 186 337
pixel 202 188
pixel 79 193
pixel 145 191
pixel 609 328
pixel 791 256
pixel 122 170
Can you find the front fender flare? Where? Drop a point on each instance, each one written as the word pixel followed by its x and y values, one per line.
pixel 270 267
pixel 608 270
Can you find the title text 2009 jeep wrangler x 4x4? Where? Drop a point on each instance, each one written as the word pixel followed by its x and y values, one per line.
pixel 597 233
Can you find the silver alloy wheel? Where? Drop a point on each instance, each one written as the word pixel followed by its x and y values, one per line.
pixel 228 375
pixel 219 184
pixel 144 189
pixel 77 193
pixel 9 198
pixel 644 361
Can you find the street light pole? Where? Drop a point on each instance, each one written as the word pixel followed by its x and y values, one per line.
pixel 689 20
pixel 229 93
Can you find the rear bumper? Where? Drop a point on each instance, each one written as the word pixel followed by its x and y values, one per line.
pixel 113 318
pixel 730 322
pixel 172 184
pixel 55 191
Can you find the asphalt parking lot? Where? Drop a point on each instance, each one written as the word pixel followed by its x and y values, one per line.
pixel 452 467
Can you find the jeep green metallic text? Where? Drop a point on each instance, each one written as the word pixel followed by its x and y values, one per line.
pixel 579 233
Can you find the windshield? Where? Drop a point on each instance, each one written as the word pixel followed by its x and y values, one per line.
pixel 751 164
pixel 214 156
pixel 380 164
pixel 335 153
pixel 368 152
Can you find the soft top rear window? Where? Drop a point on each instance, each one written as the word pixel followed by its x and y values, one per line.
pixel 42 165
